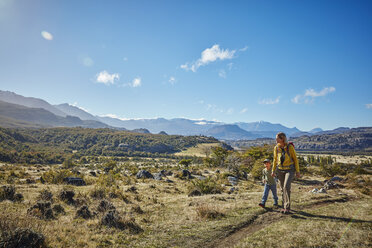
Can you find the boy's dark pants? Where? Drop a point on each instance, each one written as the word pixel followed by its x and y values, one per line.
pixel 285 177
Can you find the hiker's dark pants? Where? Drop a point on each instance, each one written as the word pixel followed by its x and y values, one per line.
pixel 285 178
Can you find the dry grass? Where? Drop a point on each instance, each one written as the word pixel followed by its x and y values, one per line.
pixel 167 216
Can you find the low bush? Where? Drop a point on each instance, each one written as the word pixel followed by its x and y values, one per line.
pixel 206 186
pixel 205 211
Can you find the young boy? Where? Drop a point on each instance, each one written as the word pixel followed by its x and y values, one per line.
pixel 270 184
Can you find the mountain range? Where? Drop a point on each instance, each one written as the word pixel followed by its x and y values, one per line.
pixel 20 111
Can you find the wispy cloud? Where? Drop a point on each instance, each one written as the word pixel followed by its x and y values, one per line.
pixel 311 94
pixel 222 73
pixel 244 49
pixel 46 35
pixel 244 110
pixel 369 106
pixel 125 59
pixel 75 104
pixel 269 101
pixel 209 55
pixel 172 80
pixel 107 78
pixel 136 82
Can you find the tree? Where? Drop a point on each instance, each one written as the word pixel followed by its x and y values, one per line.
pixel 219 155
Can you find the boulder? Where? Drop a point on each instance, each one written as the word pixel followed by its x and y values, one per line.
pixel 77 181
pixel 158 176
pixel 322 190
pixel 144 174
pixel 336 179
pixel 232 180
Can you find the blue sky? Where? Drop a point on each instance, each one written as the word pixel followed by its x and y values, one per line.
pixel 299 63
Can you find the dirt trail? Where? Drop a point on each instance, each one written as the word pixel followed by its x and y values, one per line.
pixel 263 220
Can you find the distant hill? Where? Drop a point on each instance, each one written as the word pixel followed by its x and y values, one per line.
pixel 31 102
pixel 75 111
pixel 41 117
pixel 266 127
pixel 355 139
pixel 76 116
pixel 230 132
pixel 341 141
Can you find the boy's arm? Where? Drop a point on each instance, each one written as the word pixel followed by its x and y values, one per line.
pixel 294 157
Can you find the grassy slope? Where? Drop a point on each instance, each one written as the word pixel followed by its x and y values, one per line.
pixel 170 218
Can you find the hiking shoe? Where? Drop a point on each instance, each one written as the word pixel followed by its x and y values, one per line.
pixel 262 205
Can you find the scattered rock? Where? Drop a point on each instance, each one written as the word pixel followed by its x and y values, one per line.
pixel 41 210
pixel 232 180
pixel 158 176
pixel 336 179
pixel 169 181
pixel 84 213
pixel 218 171
pixel 322 190
pixel 144 174
pixel 23 237
pixel 77 181
pixel 314 190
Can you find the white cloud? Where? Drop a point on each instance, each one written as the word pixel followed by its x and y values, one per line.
pixel 46 35
pixel 75 104
pixel 222 73
pixel 269 101
pixel 107 78
pixel 172 80
pixel 243 110
pixel 323 92
pixel 296 99
pixel 229 66
pixel 311 94
pixel 243 49
pixel 137 82
pixel 125 59
pixel 209 55
pixel 369 106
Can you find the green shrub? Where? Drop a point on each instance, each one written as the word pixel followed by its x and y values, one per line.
pixel 206 186
pixel 56 176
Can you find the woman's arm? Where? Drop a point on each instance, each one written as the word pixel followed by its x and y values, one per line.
pixel 275 160
pixel 295 160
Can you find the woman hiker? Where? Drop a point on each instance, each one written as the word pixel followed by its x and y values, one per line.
pixel 286 163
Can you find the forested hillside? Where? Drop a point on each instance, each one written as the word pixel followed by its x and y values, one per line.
pixel 51 145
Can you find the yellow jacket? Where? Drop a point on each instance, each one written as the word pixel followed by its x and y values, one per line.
pixel 287 161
